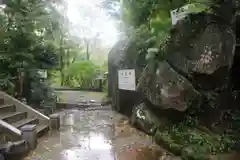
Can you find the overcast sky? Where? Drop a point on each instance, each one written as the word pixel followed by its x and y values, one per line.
pixel 89 19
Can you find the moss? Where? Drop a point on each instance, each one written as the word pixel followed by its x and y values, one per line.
pixel 165 140
pixel 191 143
pixel 189 153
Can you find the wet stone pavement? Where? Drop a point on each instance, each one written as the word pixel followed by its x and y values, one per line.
pixel 96 135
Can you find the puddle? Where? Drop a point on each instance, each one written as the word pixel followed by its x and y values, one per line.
pixel 94 146
pixel 95 135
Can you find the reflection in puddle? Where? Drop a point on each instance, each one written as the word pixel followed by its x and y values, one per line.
pixel 95 136
pixel 94 146
pixel 69 119
pixel 97 141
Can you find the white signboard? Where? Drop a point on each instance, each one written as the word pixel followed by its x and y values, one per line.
pixel 127 79
pixel 180 13
pixel 43 73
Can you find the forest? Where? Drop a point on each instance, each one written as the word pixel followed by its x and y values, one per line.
pixel 38 52
pixel 35 37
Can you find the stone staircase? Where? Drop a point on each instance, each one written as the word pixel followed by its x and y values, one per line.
pixel 14 114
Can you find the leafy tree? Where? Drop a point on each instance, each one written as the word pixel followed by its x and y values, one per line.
pixel 148 22
pixel 34 36
pixel 24 28
pixel 82 74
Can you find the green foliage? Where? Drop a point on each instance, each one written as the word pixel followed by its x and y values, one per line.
pixel 25 27
pixel 104 74
pixel 37 90
pixel 33 37
pixel 6 83
pixel 156 14
pixel 81 74
pixel 149 22
pixel 192 143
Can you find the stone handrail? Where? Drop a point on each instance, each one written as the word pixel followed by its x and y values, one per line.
pixel 21 107
pixel 9 127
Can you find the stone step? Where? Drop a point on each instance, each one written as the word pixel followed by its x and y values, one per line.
pixel 13 117
pixel 42 129
pixel 1 101
pixel 23 122
pixel 6 108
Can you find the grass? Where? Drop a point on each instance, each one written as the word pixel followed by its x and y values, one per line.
pixel 192 143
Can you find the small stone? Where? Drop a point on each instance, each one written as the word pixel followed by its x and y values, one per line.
pixel 55 121
pixel 84 101
pixel 126 122
pixel 92 101
pixel 139 150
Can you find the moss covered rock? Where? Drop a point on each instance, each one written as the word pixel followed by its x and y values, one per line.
pixel 166 88
pixel 198 57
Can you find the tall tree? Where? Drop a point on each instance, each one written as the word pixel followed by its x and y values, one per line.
pixel 23 27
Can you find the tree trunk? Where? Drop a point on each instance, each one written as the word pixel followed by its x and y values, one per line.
pixel 19 83
pixel 87 52
pixel 62 62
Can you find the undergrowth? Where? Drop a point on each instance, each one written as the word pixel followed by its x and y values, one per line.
pixel 187 140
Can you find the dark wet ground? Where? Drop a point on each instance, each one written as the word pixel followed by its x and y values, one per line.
pixel 96 135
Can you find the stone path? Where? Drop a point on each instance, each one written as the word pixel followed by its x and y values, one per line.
pixel 95 134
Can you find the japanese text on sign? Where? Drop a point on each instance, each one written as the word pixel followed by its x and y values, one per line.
pixel 126 79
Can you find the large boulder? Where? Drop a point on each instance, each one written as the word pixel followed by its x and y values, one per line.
pixel 123 55
pixel 198 59
pixel 165 88
pixel 205 54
